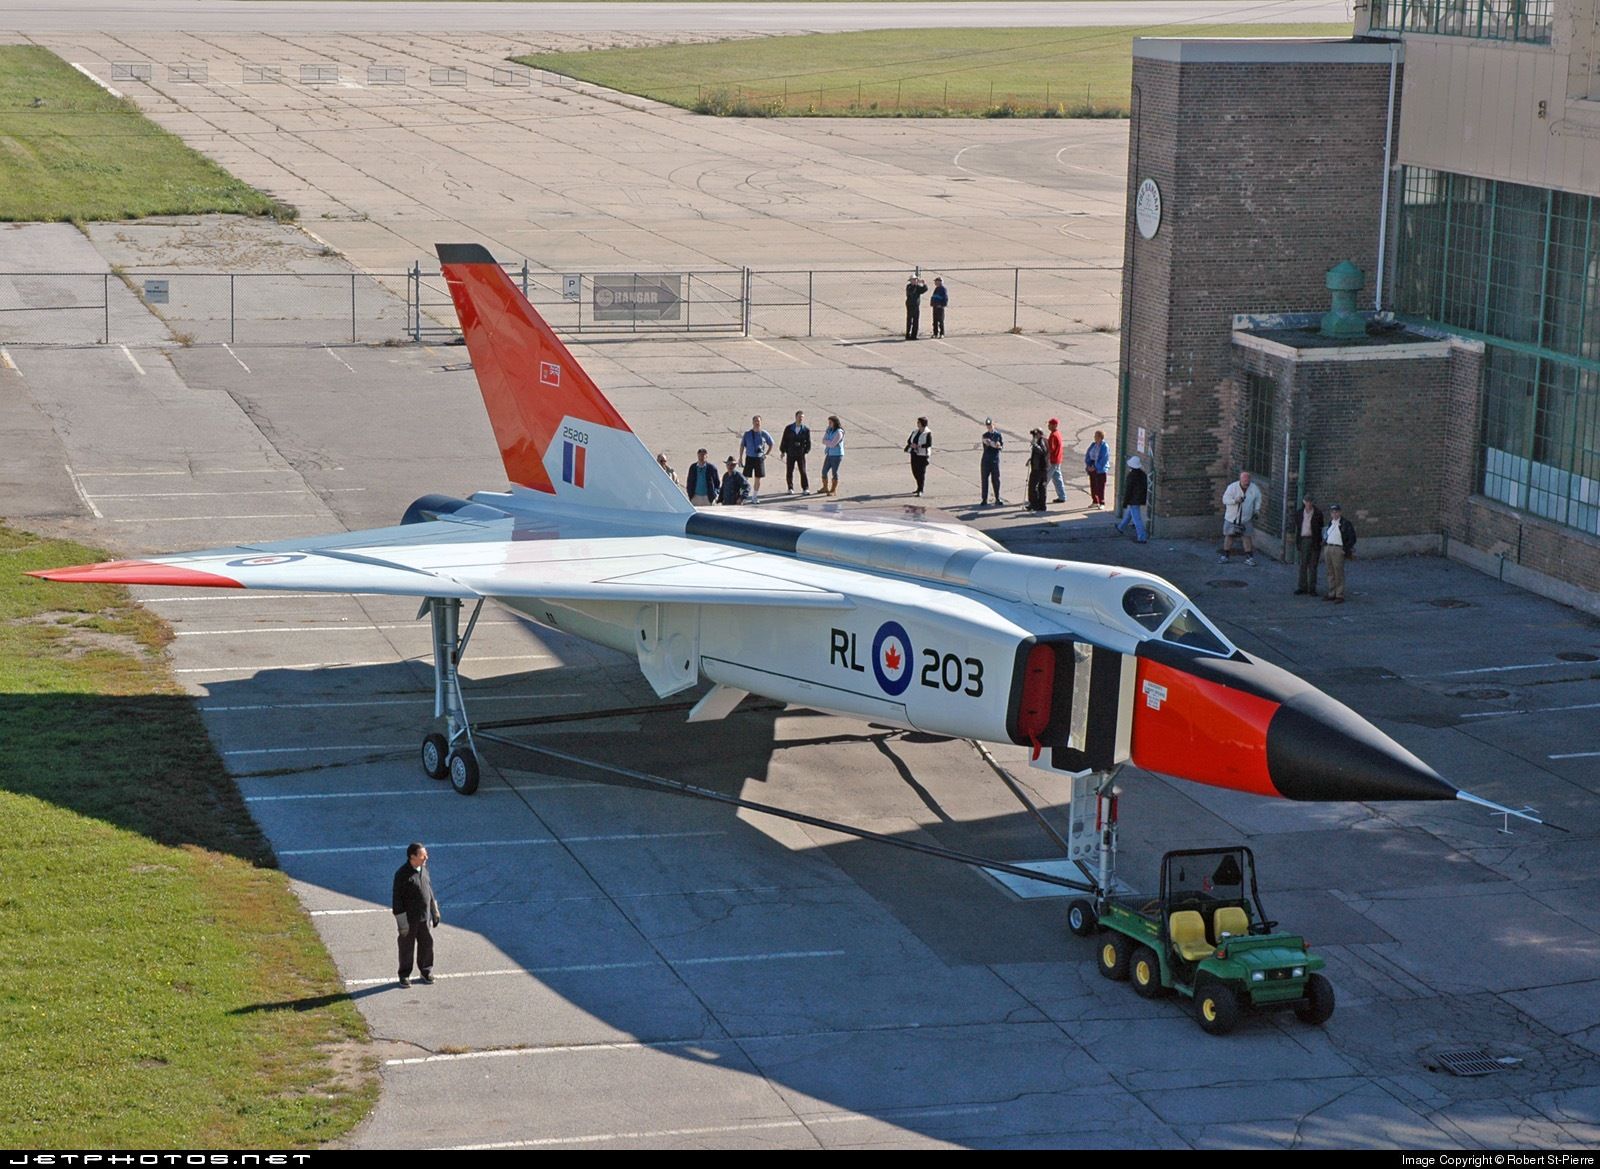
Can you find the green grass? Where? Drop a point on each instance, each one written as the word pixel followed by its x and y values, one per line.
pixel 1010 72
pixel 71 151
pixel 161 986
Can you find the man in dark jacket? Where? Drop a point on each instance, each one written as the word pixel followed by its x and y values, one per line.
pixel 1038 470
pixel 701 481
pixel 1338 545
pixel 794 446
pixel 416 913
pixel 1308 546
pixel 916 289
pixel 1135 495
pixel 735 487
pixel 938 301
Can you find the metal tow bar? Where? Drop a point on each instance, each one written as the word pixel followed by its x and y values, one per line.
pixel 701 793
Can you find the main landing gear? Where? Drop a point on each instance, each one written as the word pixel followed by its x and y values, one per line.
pixel 452 755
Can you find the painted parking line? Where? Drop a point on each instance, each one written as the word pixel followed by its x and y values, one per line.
pixel 77 485
pixel 257 595
pixel 419 700
pixel 137 368
pixel 318 750
pixel 339 359
pixel 1497 669
pixel 1531 710
pixel 457 906
pixel 653 1135
pixel 1576 755
pixel 199 494
pixel 347 665
pixel 187 471
pixel 529 840
pixel 586 968
pixel 345 627
pixel 236 357
pixel 190 519
pixel 5 360
pixel 440 790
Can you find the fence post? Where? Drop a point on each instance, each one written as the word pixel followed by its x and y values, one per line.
pixel 1016 284
pixel 688 300
pixel 105 303
pixel 810 298
pixel 352 308
pixel 747 286
pixel 524 279
pixel 414 299
pixel 231 317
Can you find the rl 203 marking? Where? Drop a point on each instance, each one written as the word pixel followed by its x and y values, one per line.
pixel 892 662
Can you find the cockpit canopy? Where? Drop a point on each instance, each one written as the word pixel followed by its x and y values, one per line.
pixel 1174 620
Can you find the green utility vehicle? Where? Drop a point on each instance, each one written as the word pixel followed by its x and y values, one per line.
pixel 1207 937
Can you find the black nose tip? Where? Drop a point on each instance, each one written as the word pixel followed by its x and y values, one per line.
pixel 1320 749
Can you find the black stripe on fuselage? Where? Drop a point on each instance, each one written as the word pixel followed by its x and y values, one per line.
pixel 749 533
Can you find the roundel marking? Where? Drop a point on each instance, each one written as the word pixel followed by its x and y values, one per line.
pixel 891 658
pixel 263 561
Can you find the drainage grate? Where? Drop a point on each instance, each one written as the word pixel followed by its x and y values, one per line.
pixel 1450 603
pixel 1228 584
pixel 1578 656
pixel 1469 1061
pixel 1481 694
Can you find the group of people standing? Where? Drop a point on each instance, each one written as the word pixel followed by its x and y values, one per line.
pixel 916 289
pixel 739 481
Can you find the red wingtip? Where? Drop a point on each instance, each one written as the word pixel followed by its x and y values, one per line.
pixel 136 572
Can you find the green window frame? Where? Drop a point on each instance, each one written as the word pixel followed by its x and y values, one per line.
pixel 1490 20
pixel 1260 396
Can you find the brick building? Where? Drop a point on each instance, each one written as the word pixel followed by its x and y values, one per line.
pixel 1454 162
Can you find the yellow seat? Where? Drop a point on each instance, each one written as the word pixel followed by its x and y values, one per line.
pixel 1187 930
pixel 1230 920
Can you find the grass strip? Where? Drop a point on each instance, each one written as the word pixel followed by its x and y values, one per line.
pixel 69 151
pixel 912 73
pixel 163 987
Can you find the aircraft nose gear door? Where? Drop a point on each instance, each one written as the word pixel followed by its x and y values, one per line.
pixel 668 641
pixel 453 754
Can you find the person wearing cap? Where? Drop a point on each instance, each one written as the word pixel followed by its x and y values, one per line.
pixel 702 480
pixel 661 461
pixel 989 466
pixel 1308 546
pixel 1038 470
pixel 916 289
pixel 1056 450
pixel 1135 495
pixel 1338 545
pixel 938 301
pixel 735 487
pixel 1096 462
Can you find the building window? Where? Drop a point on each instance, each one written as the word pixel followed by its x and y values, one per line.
pixel 1496 20
pixel 1259 395
pixel 1518 267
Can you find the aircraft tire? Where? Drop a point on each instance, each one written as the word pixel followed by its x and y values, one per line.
pixel 464 771
pixel 1081 918
pixel 435 757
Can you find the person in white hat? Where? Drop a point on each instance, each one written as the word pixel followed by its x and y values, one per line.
pixel 1135 495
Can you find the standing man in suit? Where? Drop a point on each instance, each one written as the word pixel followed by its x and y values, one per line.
pixel 416 914
pixel 1308 546
pixel 794 446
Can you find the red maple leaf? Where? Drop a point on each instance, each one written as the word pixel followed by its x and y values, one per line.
pixel 891 658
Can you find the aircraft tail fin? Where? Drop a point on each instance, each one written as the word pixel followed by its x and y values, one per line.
pixel 556 430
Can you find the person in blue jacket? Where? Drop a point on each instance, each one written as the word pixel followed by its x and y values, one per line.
pixel 939 299
pixel 1096 462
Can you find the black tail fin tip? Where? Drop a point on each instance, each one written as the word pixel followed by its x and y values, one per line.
pixel 463 254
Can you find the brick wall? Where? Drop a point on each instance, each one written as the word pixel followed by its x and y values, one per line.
pixel 1270 174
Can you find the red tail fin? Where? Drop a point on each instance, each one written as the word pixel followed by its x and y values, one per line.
pixel 546 412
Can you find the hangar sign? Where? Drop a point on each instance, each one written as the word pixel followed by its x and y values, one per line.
pixel 638 298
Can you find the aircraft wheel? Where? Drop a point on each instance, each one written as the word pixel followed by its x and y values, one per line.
pixel 1144 970
pixel 1318 1006
pixel 464 771
pixel 1081 918
pixel 1113 956
pixel 1217 1008
pixel 435 757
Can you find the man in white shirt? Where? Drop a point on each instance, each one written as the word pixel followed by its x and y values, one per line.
pixel 1338 545
pixel 1241 503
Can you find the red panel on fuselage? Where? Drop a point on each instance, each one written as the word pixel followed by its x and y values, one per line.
pixel 1200 730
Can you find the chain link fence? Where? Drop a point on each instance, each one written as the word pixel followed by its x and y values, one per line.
pixel 322 308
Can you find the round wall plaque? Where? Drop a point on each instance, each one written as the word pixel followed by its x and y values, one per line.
pixel 1147 209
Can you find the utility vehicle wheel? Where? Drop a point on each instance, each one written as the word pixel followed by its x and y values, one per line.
pixel 1081 918
pixel 1217 1007
pixel 1319 1001
pixel 1144 970
pixel 464 771
pixel 1113 960
pixel 435 757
